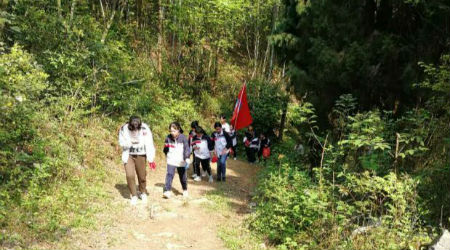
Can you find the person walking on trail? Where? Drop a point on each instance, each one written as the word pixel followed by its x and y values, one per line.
pixel 264 147
pixel 192 134
pixel 203 147
pixel 136 140
pixel 251 143
pixel 233 136
pixel 225 125
pixel 177 151
pixel 222 145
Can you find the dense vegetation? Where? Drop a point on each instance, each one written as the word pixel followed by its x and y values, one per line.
pixel 362 85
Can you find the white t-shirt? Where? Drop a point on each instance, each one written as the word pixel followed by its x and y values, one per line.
pixel 226 127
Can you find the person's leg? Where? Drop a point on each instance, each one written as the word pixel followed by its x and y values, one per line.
pixel 251 154
pixel 234 151
pixel 169 177
pixel 130 173
pixel 183 177
pixel 140 161
pixel 197 166
pixel 248 151
pixel 205 166
pixel 223 163
pixel 219 172
pixel 194 162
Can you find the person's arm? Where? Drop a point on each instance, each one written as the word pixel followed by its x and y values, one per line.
pixel 149 146
pixel 228 139
pixel 210 143
pixel 124 140
pixel 166 146
pixel 187 148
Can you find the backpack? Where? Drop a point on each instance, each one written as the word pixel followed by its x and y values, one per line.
pixel 266 152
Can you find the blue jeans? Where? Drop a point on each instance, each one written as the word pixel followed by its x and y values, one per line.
pixel 221 167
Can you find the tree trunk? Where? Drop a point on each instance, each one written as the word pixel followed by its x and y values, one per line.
pixel 58 6
pixel 72 9
pixel 139 13
pixel 275 17
pixel 160 35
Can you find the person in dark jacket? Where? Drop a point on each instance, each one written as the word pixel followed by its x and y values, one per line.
pixel 202 146
pixel 192 134
pixel 233 135
pixel 264 142
pixel 251 143
pixel 222 145
pixel 177 151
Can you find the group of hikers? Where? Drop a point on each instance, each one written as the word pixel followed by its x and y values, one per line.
pixel 136 140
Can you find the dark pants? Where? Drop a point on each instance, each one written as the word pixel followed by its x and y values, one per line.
pixel 171 173
pixel 250 154
pixel 222 167
pixel 205 165
pixel 136 164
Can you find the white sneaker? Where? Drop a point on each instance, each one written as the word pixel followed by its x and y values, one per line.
pixel 167 194
pixel 210 179
pixel 194 176
pixel 144 198
pixel 185 193
pixel 234 158
pixel 198 178
pixel 133 200
pixel 203 173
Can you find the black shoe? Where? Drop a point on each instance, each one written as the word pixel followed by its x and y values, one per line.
pixel 218 179
pixel 223 179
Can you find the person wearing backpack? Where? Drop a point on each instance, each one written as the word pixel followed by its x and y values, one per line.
pixel 264 147
pixel 177 151
pixel 222 145
pixel 203 147
pixel 136 140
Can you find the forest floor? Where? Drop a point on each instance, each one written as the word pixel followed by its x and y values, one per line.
pixel 210 218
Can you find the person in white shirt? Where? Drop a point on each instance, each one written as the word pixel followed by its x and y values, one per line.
pixel 222 145
pixel 203 147
pixel 225 125
pixel 178 152
pixel 136 141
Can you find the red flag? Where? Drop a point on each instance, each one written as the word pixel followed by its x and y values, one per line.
pixel 241 114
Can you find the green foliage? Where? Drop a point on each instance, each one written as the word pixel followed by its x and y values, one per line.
pixel 364 48
pixel 266 102
pixel 295 213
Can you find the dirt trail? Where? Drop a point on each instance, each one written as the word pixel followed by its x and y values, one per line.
pixel 176 223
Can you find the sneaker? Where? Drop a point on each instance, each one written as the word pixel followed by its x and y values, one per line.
pixel 144 198
pixel 194 176
pixel 234 158
pixel 198 178
pixel 185 194
pixel 210 179
pixel 223 179
pixel 133 200
pixel 204 174
pixel 167 194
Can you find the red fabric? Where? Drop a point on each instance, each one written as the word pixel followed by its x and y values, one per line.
pixel 266 152
pixel 241 114
pixel 152 165
pixel 214 159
